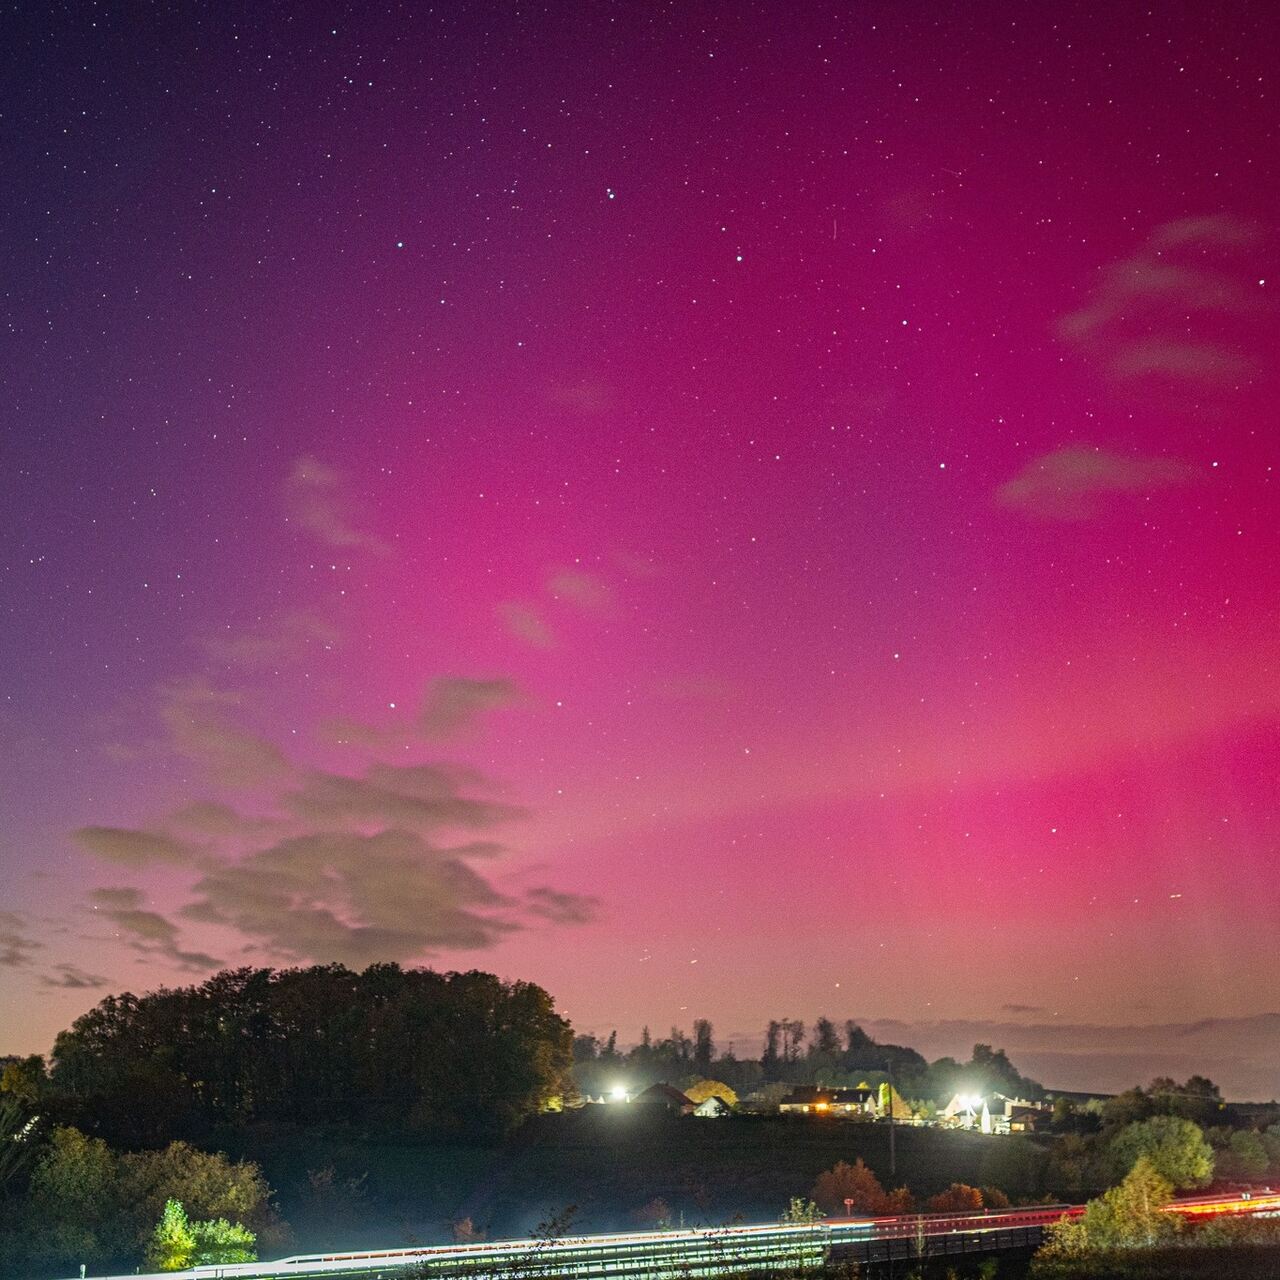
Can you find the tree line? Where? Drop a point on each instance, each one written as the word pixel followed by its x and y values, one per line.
pixel 791 1053
pixel 452 1053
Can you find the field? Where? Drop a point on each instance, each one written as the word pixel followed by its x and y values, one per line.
pixel 608 1163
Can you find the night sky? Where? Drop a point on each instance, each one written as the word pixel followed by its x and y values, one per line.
pixel 722 510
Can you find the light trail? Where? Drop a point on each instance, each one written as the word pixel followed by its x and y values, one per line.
pixel 693 1252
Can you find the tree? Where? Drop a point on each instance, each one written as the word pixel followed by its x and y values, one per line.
pixel 853 1188
pixel 701 1090
pixel 15 1135
pixel 1243 1157
pixel 1132 1213
pixel 703 1045
pixel 25 1080
pixel 801 1210
pixel 792 1039
pixel 442 1053
pixel 772 1056
pixel 208 1184
pixel 655 1213
pixel 959 1197
pixel 173 1243
pixel 220 1241
pixel 1175 1148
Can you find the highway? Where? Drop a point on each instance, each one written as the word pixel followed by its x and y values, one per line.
pixel 711 1251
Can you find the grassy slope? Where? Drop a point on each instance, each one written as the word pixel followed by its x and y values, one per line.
pixel 609 1162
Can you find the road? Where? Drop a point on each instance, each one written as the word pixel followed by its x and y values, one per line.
pixel 714 1251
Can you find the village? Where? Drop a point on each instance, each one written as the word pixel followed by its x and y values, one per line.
pixel 994 1113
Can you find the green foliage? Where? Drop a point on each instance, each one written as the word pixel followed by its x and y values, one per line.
pixel 177 1243
pixel 218 1240
pixel 439 1052
pixel 173 1243
pixel 1198 1099
pixel 208 1184
pixel 25 1080
pixel 15 1138
pixel 802 1210
pixel 88 1204
pixel 1239 1154
pixel 1132 1213
pixel 1176 1149
pixel 1128 1216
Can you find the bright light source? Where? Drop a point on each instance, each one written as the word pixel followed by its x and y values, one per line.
pixel 618 1093
pixel 972 1101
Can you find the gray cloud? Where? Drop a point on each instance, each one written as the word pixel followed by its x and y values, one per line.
pixel 17 948
pixel 327 865
pixel 584 590
pixel 197 717
pixel 353 898
pixel 147 931
pixel 1071 483
pixel 212 818
pixel 525 623
pixel 455 703
pixel 70 978
pixel 316 497
pixel 132 848
pixel 419 798
pixel 562 908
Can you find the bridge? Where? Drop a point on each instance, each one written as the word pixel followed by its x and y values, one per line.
pixel 710 1251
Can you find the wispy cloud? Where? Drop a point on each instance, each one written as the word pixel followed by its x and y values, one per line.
pixel 397 861
pixel 454 704
pixel 1178 310
pixel 584 590
pixel 316 497
pixel 562 908
pixel 17 947
pixel 69 977
pixel 201 724
pixel 128 847
pixel 1073 482
pixel 526 623
pixel 285 638
pixel 147 931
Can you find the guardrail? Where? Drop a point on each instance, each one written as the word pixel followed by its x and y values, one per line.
pixel 713 1251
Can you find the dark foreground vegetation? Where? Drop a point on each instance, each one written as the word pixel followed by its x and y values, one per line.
pixel 272 1112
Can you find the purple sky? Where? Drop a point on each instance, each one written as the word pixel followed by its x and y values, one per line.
pixel 720 510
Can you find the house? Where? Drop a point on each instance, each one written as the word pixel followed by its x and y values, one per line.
pixel 967 1111
pixel 666 1097
pixel 1026 1118
pixel 713 1108
pixel 811 1100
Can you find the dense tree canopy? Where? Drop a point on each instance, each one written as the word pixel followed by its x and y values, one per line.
pixel 88 1203
pixel 1175 1148
pixel 438 1052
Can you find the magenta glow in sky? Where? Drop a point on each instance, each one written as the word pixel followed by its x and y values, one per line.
pixel 720 511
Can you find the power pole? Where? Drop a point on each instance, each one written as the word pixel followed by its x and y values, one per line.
pixel 893 1158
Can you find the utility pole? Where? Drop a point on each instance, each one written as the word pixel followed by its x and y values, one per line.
pixel 893 1159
